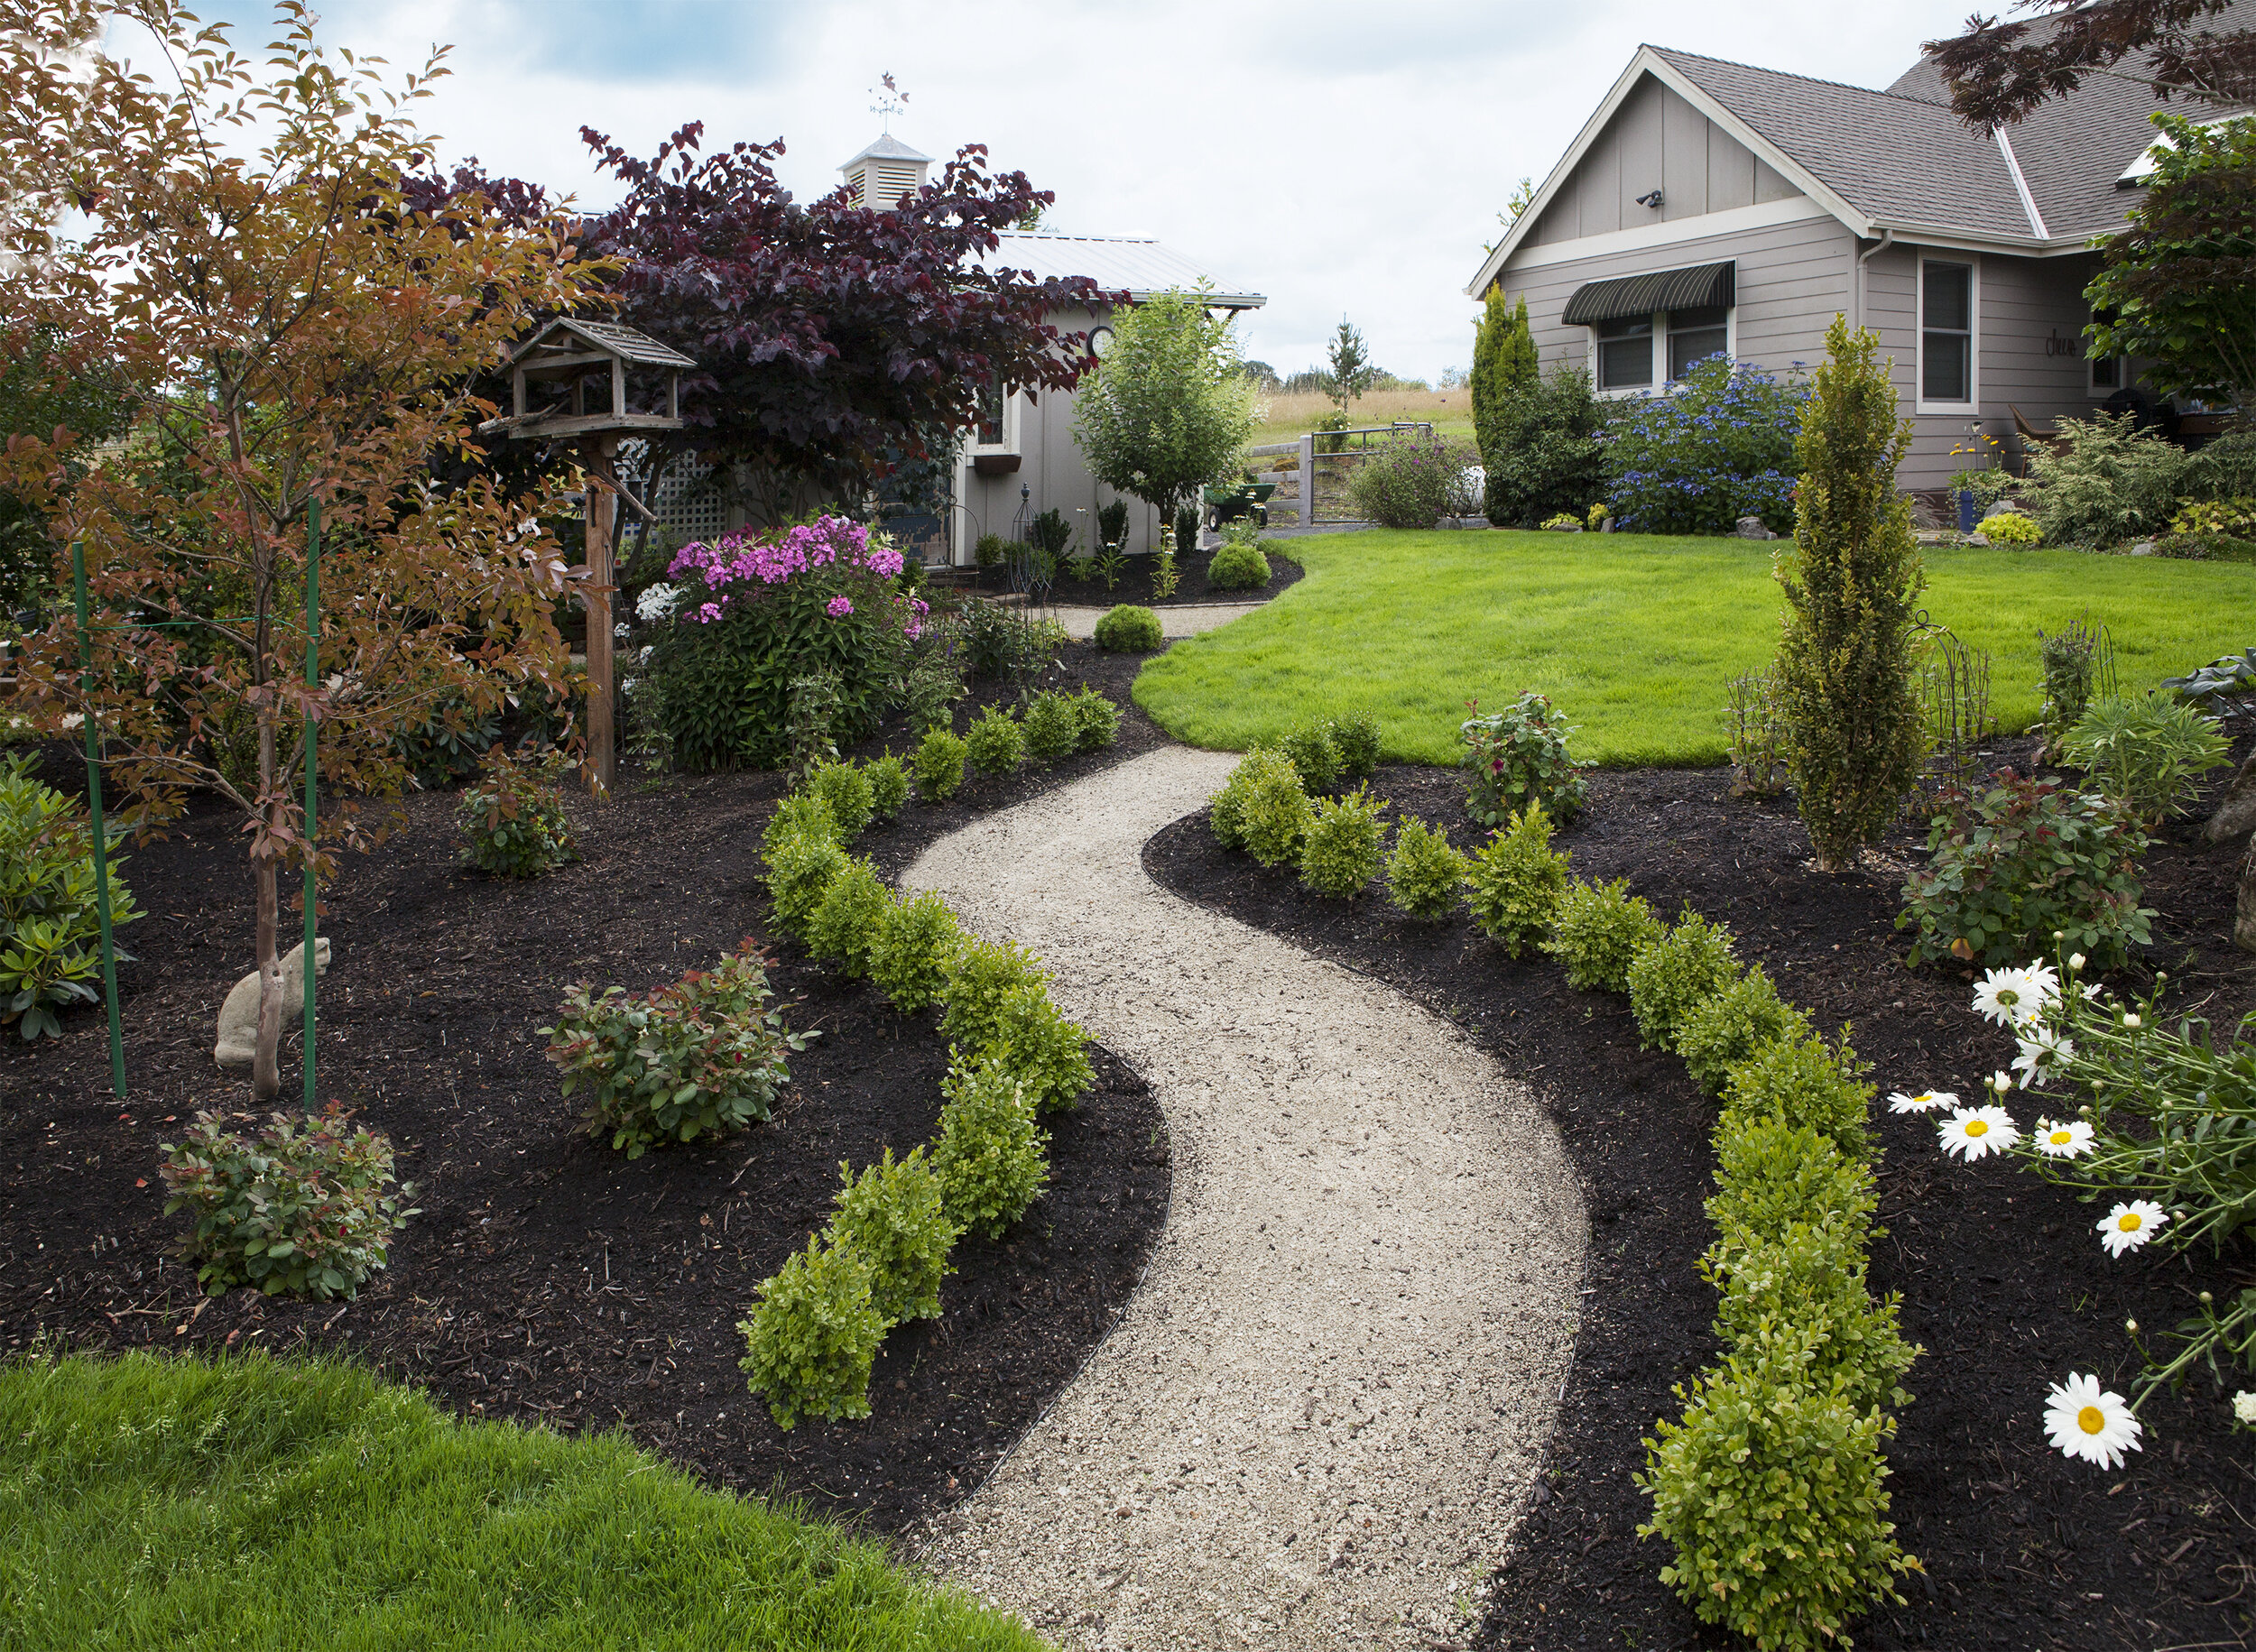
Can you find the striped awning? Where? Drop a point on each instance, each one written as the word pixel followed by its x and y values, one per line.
pixel 1640 295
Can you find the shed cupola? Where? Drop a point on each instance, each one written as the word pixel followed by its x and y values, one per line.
pixel 884 173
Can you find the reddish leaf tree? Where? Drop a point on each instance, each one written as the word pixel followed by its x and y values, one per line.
pixel 1999 71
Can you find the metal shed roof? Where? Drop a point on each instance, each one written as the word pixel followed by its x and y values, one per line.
pixel 1640 295
pixel 1118 263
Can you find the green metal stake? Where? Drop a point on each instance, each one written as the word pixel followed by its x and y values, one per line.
pixel 94 810
pixel 313 680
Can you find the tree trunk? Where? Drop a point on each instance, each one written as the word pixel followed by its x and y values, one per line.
pixel 265 1065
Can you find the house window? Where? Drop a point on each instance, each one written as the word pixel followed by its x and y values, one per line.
pixel 993 402
pixel 1625 353
pixel 1694 336
pixel 2107 374
pixel 1946 331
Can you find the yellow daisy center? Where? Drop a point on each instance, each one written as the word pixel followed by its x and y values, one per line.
pixel 2130 1222
pixel 2091 1419
pixel 2060 1138
pixel 1977 1127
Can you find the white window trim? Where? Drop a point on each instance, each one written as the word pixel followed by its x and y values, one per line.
pixel 2123 375
pixel 1973 261
pixel 1659 339
pixel 1009 444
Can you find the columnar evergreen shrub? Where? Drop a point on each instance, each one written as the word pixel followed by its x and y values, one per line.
pixel 1504 359
pixel 981 976
pixel 1052 729
pixel 991 1157
pixel 800 871
pixel 1340 854
pixel 1310 749
pixel 813 1335
pixel 1541 449
pixel 1847 671
pixel 1129 630
pixel 1095 719
pixel 894 1217
pixel 889 785
pixel 1718 1035
pixel 1356 740
pixel 1515 882
pixel 1715 447
pixel 915 938
pixel 512 816
pixel 846 791
pixel 1046 1053
pixel 1273 816
pixel 846 922
pixel 1425 876
pixel 1596 930
pixel 1689 964
pixel 940 766
pixel 1802 1081
pixel 994 743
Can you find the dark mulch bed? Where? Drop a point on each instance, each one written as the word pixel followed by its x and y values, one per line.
pixel 1135 583
pixel 2002 1279
pixel 547 1279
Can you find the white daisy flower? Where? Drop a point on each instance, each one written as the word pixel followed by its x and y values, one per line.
pixel 2076 960
pixel 2044 982
pixel 1927 1100
pixel 2004 996
pixel 2130 1020
pixel 2244 1408
pixel 2091 991
pixel 2128 1226
pixel 2043 1051
pixel 2063 1139
pixel 1977 1133
pixel 2085 1421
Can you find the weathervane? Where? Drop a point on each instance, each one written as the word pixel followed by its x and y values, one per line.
pixel 890 101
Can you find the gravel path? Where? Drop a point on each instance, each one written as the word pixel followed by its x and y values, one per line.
pixel 1187 620
pixel 1316 1421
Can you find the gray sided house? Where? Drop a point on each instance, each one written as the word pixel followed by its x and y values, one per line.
pixel 1710 206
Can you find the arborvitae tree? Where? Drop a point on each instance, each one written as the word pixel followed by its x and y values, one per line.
pixel 1846 678
pixel 1504 361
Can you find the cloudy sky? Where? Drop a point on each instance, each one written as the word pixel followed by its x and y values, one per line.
pixel 1343 157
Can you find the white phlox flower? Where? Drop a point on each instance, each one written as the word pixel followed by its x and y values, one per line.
pixel 1977 1133
pixel 2085 1421
pixel 2128 1226
pixel 619 629
pixel 1926 1100
pixel 2244 1408
pixel 657 603
pixel 2062 1138
pixel 2043 1051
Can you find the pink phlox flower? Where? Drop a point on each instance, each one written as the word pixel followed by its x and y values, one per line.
pixel 707 613
pixel 838 607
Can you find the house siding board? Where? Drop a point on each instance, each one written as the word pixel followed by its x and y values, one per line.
pixel 1655 141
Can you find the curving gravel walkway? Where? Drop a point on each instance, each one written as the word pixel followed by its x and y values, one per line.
pixel 1317 1420
pixel 1180 620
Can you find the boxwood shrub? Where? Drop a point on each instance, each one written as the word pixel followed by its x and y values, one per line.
pixel 894 1217
pixel 1340 854
pixel 994 743
pixel 1718 1035
pixel 1515 882
pixel 940 766
pixel 1597 929
pixel 1688 965
pixel 991 1157
pixel 1425 875
pixel 915 939
pixel 1129 630
pixel 813 1333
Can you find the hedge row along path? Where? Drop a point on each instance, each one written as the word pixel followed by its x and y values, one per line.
pixel 1315 1421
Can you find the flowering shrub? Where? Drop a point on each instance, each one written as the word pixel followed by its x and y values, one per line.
pixel 1413 482
pixel 50 926
pixel 991 1157
pixel 701 1056
pixel 894 1217
pixel 1703 452
pixel 1518 755
pixel 302 1206
pixel 1425 875
pixel 1515 882
pixel 1688 965
pixel 813 1335
pixel 1596 930
pixel 751 613
pixel 1341 852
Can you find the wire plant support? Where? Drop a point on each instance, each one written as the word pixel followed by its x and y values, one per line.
pixel 93 813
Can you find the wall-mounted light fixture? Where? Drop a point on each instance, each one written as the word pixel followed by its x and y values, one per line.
pixel 1651 198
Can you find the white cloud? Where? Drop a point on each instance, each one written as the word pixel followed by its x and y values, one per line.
pixel 1341 157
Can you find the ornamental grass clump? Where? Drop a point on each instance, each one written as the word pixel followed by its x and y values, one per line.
pixel 1717 1036
pixel 846 921
pixel 845 789
pixel 1801 1080
pixel 994 743
pixel 512 816
pixel 1046 1053
pixel 992 1157
pixel 910 948
pixel 1095 719
pixel 1596 930
pixel 1425 875
pixel 980 975
pixel 813 1335
pixel 940 766
pixel 889 785
pixel 894 1217
pixel 705 1055
pixel 1340 854
pixel 1310 749
pixel 1688 965
pixel 2146 752
pixel 306 1207
pixel 1515 882
pixel 1273 815
pixel 1519 756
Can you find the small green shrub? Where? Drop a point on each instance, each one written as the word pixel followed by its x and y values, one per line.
pixel 1313 756
pixel 800 871
pixel 50 919
pixel 1264 766
pixel 2078 663
pixel 909 950
pixel 1770 1492
pixel 940 766
pixel 1597 929
pixel 1095 719
pixel 1718 1035
pixel 2146 752
pixel 1046 1053
pixel 1771 1175
pixel 1517 756
pixel 1129 630
pixel 302 1206
pixel 813 1335
pixel 889 785
pixel 847 792
pixel 1802 1290
pixel 1413 482
pixel 1687 967
pixel 1356 741
pixel 1425 876
pixel 512 816
pixel 800 814
pixel 991 1157
pixel 1238 566
pixel 894 1217
pixel 846 921
pixel 1340 853
pixel 1802 1081
pixel 1052 728
pixel 1515 882
pixel 2012 530
pixel 2110 481
pixel 1273 817
pixel 980 975
pixel 990 550
pixel 994 743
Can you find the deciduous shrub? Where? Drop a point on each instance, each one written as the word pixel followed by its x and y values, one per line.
pixel 1226 810
pixel 2146 752
pixel 994 743
pixel 1803 1082
pixel 991 1157
pixel 1052 729
pixel 889 785
pixel 799 869
pixel 1802 1288
pixel 1771 1175
pixel 1340 853
pixel 894 1217
pixel 2025 858
pixel 2079 667
pixel 1714 447
pixel 50 924
pixel 1425 876
pixel 940 766
pixel 1718 1035
pixel 1541 450
pixel 305 1206
pixel 800 814
pixel 1238 566
pixel 1596 930
pixel 846 790
pixel 1515 882
pixel 981 976
pixel 1310 749
pixel 706 1055
pixel 845 923
pixel 512 816
pixel 1413 482
pixel 1688 965
pixel 2110 481
pixel 1129 630
pixel 2012 530
pixel 916 936
pixel 813 1335
pixel 1273 816
pixel 1046 1053
pixel 1356 740
pixel 1095 719
pixel 1518 756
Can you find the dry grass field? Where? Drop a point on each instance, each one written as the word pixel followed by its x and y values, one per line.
pixel 1285 417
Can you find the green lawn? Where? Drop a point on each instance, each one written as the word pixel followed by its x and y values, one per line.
pixel 1634 635
pixel 170 1502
